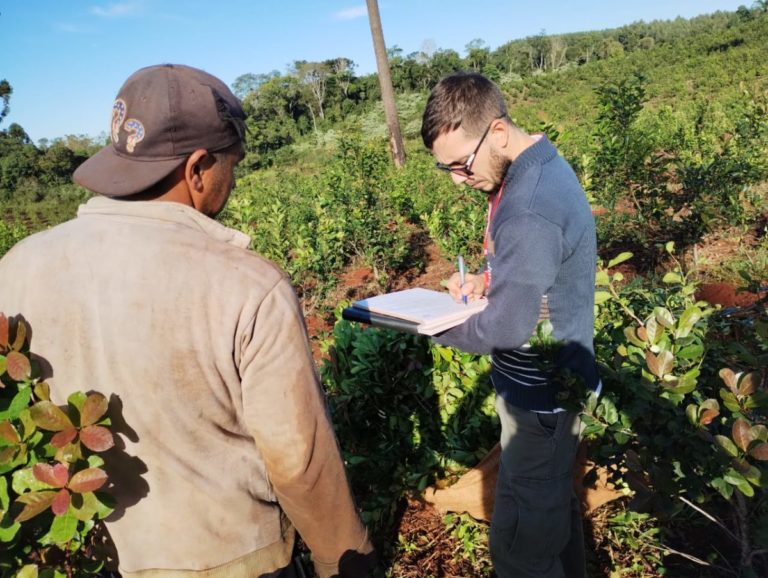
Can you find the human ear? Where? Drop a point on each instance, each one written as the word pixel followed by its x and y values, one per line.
pixel 193 170
pixel 500 133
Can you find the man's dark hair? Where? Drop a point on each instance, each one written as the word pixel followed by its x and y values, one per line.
pixel 462 99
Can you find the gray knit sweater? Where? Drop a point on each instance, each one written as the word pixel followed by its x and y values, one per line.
pixel 542 249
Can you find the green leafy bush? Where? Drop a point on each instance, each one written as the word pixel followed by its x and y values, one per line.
pixel 49 500
pixel 9 236
pixel 406 412
pixel 683 420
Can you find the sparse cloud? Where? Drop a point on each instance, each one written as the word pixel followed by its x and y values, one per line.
pixel 116 10
pixel 350 13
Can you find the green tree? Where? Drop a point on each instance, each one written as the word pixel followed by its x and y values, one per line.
pixel 249 82
pixel 5 97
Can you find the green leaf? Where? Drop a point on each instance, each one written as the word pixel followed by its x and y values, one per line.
pixel 725 489
pixel 692 413
pixel 654 329
pixel 672 278
pixel 8 529
pixel 28 571
pixel 733 477
pixel 691 352
pixel 664 317
pixel 50 417
pixel 746 488
pixel 670 247
pixel 688 319
pixel 687 383
pixel 77 401
pixel 87 509
pixel 106 505
pixel 752 475
pixel 3 364
pixel 63 529
pixel 620 258
pixel 24 481
pixel 760 432
pixel 601 297
pixel 43 391
pixel 726 443
pixel 5 500
pixel 601 278
pixel 18 404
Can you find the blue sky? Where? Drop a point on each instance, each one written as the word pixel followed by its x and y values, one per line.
pixel 66 59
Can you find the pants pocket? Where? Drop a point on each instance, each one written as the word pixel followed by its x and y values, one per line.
pixel 532 518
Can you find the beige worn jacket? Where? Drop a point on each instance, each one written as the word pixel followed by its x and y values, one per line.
pixel 202 350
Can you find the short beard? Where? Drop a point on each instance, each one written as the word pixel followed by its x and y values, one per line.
pixel 499 167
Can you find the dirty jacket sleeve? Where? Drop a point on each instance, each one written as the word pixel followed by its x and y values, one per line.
pixel 285 410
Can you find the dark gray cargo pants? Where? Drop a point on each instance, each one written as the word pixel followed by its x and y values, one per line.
pixel 536 527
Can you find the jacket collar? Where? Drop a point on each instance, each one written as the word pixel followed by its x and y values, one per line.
pixel 165 211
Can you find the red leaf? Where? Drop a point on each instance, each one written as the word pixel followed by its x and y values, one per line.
pixel 661 365
pixel 34 503
pixel 760 452
pixel 56 476
pixel 21 335
pixel 60 503
pixel 18 366
pixel 88 480
pixel 741 434
pixel 729 378
pixel 3 331
pixel 748 384
pixel 97 438
pixel 63 437
pixel 8 454
pixel 707 416
pixel 48 416
pixel 94 407
pixel 9 433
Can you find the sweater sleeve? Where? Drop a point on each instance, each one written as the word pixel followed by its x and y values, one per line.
pixel 286 413
pixel 528 254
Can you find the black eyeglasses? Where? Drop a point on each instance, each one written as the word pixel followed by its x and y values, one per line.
pixel 465 170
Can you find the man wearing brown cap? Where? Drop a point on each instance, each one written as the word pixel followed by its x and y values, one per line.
pixel 225 445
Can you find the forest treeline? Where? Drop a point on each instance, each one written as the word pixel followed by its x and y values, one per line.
pixel 294 116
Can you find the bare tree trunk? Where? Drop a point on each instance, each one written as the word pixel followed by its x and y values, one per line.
pixel 385 81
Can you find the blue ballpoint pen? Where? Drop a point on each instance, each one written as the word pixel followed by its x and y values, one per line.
pixel 461 278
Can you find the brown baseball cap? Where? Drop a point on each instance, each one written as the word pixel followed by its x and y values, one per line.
pixel 161 115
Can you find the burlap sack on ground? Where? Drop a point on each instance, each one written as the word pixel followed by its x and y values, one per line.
pixel 474 492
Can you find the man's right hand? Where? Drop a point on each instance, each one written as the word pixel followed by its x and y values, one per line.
pixel 473 288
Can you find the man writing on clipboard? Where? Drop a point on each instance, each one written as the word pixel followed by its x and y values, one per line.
pixel 540 251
